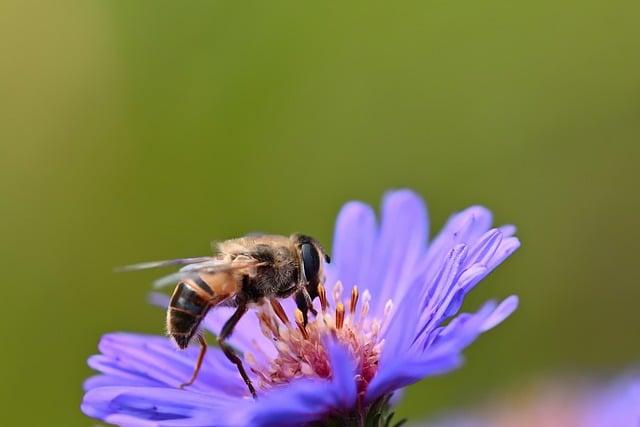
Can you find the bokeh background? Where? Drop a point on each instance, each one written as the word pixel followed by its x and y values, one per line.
pixel 133 130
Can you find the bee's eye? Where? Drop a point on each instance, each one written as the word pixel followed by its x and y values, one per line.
pixel 310 262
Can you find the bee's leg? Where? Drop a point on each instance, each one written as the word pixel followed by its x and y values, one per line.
pixel 196 371
pixel 304 304
pixel 226 332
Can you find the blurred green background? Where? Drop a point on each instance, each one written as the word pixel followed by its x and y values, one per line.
pixel 134 130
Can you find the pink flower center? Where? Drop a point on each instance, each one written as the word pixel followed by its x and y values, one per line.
pixel 301 351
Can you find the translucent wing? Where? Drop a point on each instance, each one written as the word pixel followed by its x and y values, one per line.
pixel 211 266
pixel 164 263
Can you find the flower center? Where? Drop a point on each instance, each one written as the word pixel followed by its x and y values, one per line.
pixel 301 351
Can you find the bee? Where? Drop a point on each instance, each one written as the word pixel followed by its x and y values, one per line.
pixel 244 272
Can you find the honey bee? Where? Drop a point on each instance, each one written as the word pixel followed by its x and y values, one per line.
pixel 245 272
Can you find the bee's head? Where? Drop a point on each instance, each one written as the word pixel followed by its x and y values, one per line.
pixel 311 255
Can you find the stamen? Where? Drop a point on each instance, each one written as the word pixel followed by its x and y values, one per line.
pixel 300 349
pixel 339 315
pixel 250 359
pixel 387 308
pixel 277 308
pixel 267 325
pixel 366 299
pixel 300 323
pixel 366 296
pixel 375 327
pixel 354 300
pixel 337 292
pixel 322 293
pixel 306 369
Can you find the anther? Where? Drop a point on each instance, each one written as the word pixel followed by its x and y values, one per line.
pixel 366 296
pixel 277 308
pixel 354 300
pixel 388 307
pixel 306 369
pixel 322 293
pixel 267 326
pixel 339 315
pixel 300 323
pixel 250 359
pixel 337 292
pixel 366 299
pixel 375 326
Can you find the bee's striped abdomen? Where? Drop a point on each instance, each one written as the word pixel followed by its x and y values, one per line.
pixel 187 308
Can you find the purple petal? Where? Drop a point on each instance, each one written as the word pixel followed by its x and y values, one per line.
pixel 141 359
pixel 353 243
pixel 308 400
pixel 399 249
pixel 434 302
pixel 484 248
pixel 464 329
pixel 140 374
pixel 461 228
pixel 129 421
pixel 158 406
pixel 472 276
pixel 505 249
pixel 401 329
pixel 406 372
pixel 617 404
pixel 119 380
pixel 296 403
pixel 438 354
pixel 504 310
pixel 507 230
pixel 343 368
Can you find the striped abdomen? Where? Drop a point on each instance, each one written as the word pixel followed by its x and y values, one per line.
pixel 189 304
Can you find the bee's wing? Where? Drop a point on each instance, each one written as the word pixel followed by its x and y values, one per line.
pixel 165 263
pixel 211 266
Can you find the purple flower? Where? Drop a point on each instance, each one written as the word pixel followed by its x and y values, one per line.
pixel 615 405
pixel 560 405
pixel 367 342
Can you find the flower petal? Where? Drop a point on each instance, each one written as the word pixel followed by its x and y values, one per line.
pixel 405 373
pixel 461 228
pixel 504 310
pixel 427 284
pixel 508 230
pixel 439 354
pixel 440 290
pixel 399 249
pixel 296 403
pixel 483 249
pixel 141 359
pixel 354 239
pixel 118 380
pixel 309 400
pixel 506 247
pixel 158 406
pixel 343 368
pixel 465 328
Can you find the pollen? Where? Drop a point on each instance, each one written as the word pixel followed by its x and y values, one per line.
pixel 300 349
